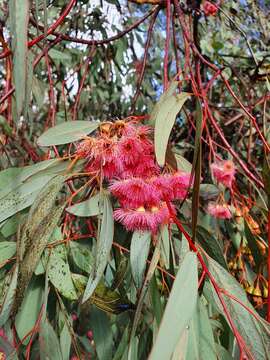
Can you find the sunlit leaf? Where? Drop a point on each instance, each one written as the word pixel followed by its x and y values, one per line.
pixel 67 132
pixel 183 297
pixel 163 117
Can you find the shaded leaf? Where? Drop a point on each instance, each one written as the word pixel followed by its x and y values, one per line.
pixel 90 207
pixel 104 244
pixel 48 342
pixel 19 12
pixel 102 333
pixel 211 245
pixel 9 298
pixel 255 331
pixel 29 311
pixel 139 249
pixel 67 132
pixel 7 250
pixel 60 276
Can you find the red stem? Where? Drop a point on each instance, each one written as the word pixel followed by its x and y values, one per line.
pixel 50 30
pixel 242 346
pixel 268 270
pixel 167 44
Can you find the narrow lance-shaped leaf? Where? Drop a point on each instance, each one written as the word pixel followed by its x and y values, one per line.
pixel 104 244
pixel 164 115
pixel 19 13
pixel 179 310
pixel 254 331
pixel 139 250
pixel 197 168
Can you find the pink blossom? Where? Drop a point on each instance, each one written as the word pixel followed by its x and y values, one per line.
pixel 142 219
pixel 134 192
pixel 130 150
pixel 164 186
pixel 224 172
pixel 219 211
pixel 146 167
pixel 180 183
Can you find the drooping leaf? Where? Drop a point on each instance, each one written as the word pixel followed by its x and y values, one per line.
pixel 102 333
pixel 164 117
pixel 65 342
pixel 182 163
pixel 211 245
pixel 209 192
pixel 29 311
pixel 60 276
pixel 81 256
pixel 254 331
pixel 42 220
pixel 197 167
pixel 67 132
pixel 183 297
pixel 7 250
pixel 90 207
pixel 139 249
pixel 19 13
pixel 104 244
pixel 165 246
pixel 253 246
pixel 147 280
pixel 9 298
pixel 48 342
pixel 201 344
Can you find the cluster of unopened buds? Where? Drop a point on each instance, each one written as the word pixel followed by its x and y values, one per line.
pixel 224 173
pixel 123 153
pixel 209 8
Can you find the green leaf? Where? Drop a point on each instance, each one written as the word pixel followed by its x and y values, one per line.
pixel 7 250
pixel 182 163
pixel 60 276
pixel 67 132
pixel 90 207
pixel 254 331
pixel 104 244
pixel 65 342
pixel 48 342
pixel 9 298
pixel 165 246
pixel 197 168
pixel 164 116
pixel 139 249
pixel 82 256
pixel 19 13
pixel 253 246
pixel 209 192
pixel 179 310
pixel 29 311
pixel 201 344
pixel 102 333
pixel 41 222
pixel 211 245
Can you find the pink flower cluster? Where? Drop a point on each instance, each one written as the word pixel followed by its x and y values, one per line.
pixel 124 153
pixel 219 211
pixel 121 150
pixel 224 172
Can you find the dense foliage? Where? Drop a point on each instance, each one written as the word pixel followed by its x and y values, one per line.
pixel 135 179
